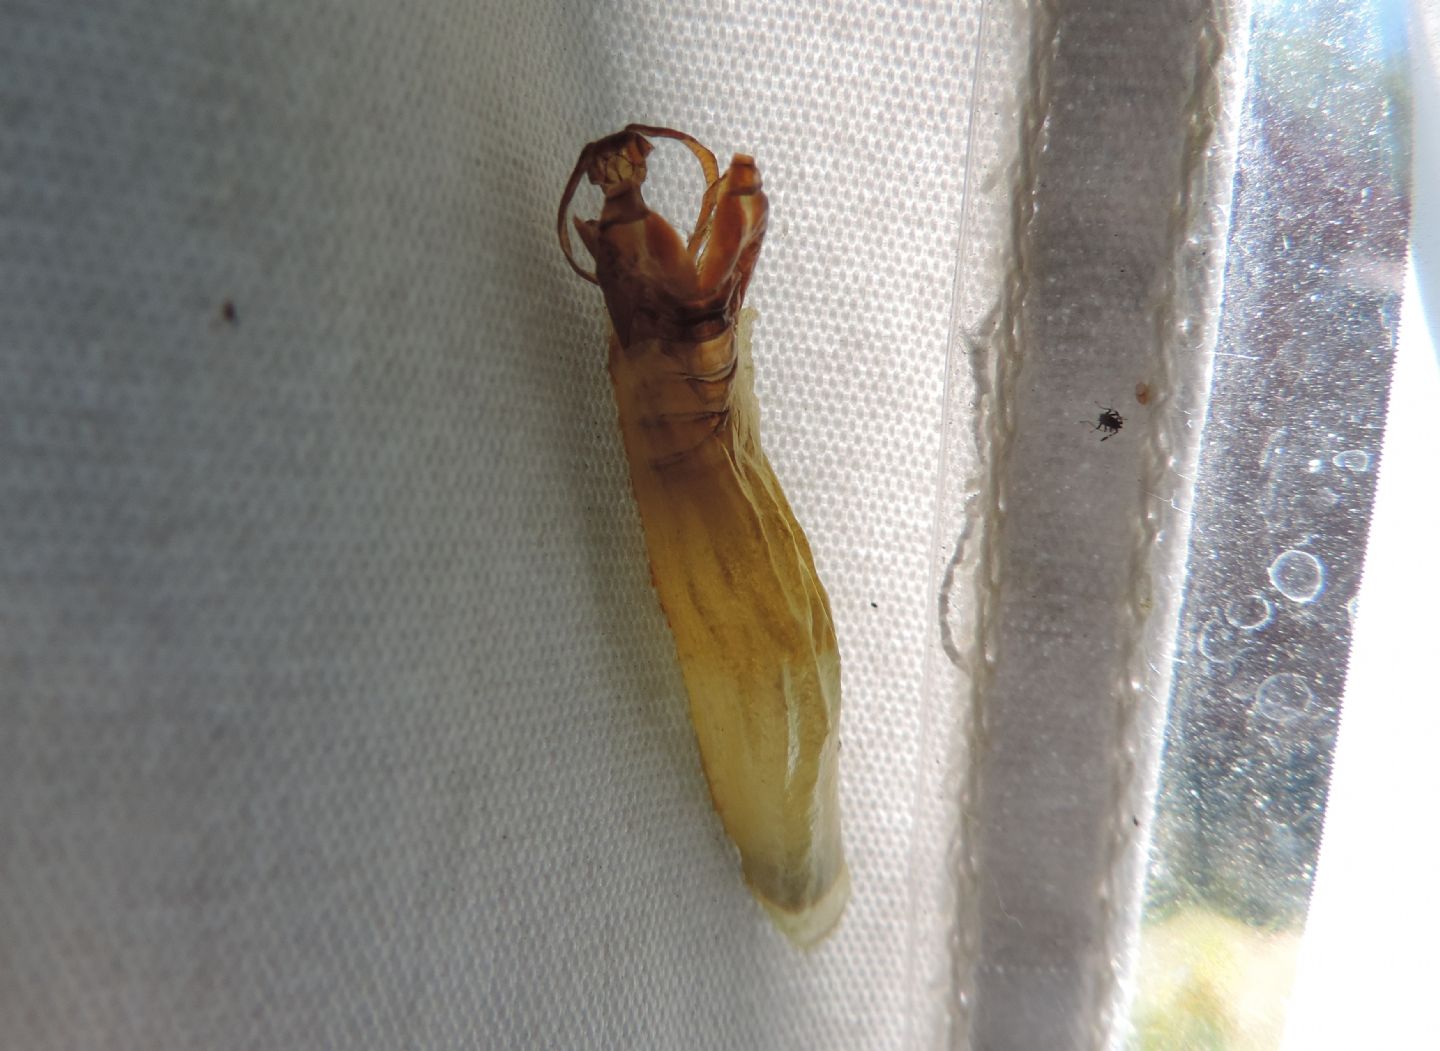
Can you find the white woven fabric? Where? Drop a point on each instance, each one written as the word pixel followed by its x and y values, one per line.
pixel 337 708
pixel 1112 313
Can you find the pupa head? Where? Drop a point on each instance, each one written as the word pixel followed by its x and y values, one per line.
pixel 616 163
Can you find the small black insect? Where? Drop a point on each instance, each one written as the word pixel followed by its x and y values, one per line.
pixel 228 313
pixel 1110 422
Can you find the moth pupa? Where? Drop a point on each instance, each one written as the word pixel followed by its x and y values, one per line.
pixel 732 567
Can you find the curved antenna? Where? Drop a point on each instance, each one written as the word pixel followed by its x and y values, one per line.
pixel 708 165
pixel 561 227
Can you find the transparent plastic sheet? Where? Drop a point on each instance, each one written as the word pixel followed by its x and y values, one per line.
pixel 1284 489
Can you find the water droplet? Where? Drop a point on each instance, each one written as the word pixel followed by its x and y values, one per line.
pixel 1298 575
pixel 1220 645
pixel 1216 641
pixel 1284 697
pixel 1250 612
pixel 1356 460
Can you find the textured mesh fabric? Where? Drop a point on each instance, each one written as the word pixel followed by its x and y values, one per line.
pixel 1109 320
pixel 337 708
